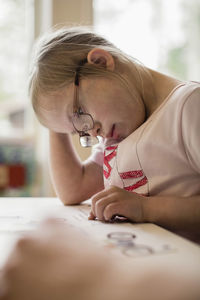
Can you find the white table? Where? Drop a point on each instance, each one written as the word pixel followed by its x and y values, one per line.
pixel 141 244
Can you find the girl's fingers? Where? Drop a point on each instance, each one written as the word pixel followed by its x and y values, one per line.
pixel 91 216
pixel 113 209
pixel 101 195
pixel 95 199
pixel 101 204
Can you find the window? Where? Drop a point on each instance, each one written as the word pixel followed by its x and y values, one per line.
pixel 15 34
pixel 161 34
pixel 17 151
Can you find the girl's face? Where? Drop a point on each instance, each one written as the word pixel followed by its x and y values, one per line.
pixel 115 112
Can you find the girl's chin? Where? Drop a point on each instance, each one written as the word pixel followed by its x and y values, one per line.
pixel 112 141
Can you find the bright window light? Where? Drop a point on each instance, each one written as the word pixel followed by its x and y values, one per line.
pixel 161 34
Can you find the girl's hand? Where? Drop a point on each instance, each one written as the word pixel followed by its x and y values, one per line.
pixel 115 201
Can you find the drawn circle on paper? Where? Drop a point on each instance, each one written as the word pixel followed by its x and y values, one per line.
pixel 138 250
pixel 121 236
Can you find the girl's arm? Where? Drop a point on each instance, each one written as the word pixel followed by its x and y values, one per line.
pixel 179 214
pixel 73 180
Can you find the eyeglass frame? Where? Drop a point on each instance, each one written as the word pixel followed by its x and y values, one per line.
pixel 75 103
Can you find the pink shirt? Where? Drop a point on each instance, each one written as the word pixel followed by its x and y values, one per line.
pixel 162 157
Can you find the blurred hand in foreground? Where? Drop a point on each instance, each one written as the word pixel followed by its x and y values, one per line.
pixel 58 263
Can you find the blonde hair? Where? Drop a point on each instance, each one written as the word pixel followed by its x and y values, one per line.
pixel 58 54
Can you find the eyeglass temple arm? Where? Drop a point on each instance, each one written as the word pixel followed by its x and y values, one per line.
pixel 81 63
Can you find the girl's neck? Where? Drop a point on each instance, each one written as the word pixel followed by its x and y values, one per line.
pixel 162 85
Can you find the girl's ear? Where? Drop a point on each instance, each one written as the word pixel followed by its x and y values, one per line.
pixel 102 58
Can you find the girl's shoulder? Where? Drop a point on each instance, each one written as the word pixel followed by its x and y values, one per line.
pixel 189 90
pixel 191 86
pixel 182 92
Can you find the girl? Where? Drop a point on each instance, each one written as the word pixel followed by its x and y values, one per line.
pixel 146 166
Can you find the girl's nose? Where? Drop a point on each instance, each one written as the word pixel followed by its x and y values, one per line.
pixel 95 130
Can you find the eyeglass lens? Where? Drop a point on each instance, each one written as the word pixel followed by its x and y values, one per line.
pixel 88 141
pixel 82 122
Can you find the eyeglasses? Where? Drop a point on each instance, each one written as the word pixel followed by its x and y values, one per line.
pixel 81 121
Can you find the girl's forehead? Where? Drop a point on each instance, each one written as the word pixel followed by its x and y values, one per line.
pixel 55 109
pixel 56 100
pixel 56 120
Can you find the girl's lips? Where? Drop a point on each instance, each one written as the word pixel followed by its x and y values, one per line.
pixel 113 135
pixel 113 131
pixel 110 134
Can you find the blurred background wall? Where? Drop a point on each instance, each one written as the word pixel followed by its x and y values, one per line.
pixel 163 35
